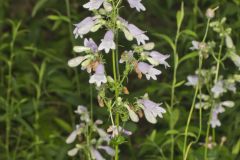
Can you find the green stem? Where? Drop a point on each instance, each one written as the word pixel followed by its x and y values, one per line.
pixel 215 81
pixel 175 57
pixel 197 89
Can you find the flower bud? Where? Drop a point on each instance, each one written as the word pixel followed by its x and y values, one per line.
pixel 110 79
pixel 149 46
pixel 80 49
pixel 210 13
pixel 229 42
pixel 107 6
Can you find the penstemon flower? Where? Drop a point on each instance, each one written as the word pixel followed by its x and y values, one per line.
pixel 99 76
pixel 84 26
pixel 96 145
pixel 107 42
pixel 93 4
pixel 137 34
pixel 192 80
pixel 158 58
pixel 136 4
pixel 218 89
pixel 148 70
pixel 151 109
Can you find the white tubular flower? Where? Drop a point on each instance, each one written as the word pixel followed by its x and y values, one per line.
pixel 93 4
pixel 158 58
pixel 148 70
pixel 98 77
pixel 151 110
pixel 107 42
pixel 218 89
pixel 192 80
pixel 84 26
pixel 71 138
pixel 195 45
pixel 136 4
pixel 137 34
pixel 215 122
pixel 108 150
pixel 83 112
pixel 96 154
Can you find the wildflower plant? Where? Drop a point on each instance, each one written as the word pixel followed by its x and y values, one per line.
pixel 210 86
pixel 111 87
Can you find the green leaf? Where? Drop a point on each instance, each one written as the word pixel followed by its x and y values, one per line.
pixel 172 132
pixel 41 72
pixel 179 84
pixel 153 135
pixel 188 56
pixel 63 124
pixel 38 6
pixel 174 117
pixel 189 32
pixel 58 18
pixel 118 140
pixel 180 16
pixel 167 39
pixel 236 148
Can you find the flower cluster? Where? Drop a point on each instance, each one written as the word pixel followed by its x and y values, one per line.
pixel 98 143
pixel 141 58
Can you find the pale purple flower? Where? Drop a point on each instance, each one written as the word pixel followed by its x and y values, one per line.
pixel 218 89
pixel 231 86
pixel 93 4
pixel 136 4
pixel 71 138
pixel 107 42
pixel 219 108
pixel 215 122
pixel 192 80
pixel 84 26
pixel 148 70
pixel 83 112
pixel 158 58
pixel 96 154
pixel 151 110
pixel 138 34
pixel 108 150
pixel 99 76
pixel 91 44
pixel 195 45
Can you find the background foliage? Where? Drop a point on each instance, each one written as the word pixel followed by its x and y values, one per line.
pixel 38 91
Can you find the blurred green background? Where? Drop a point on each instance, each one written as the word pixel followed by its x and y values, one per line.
pixel 39 92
